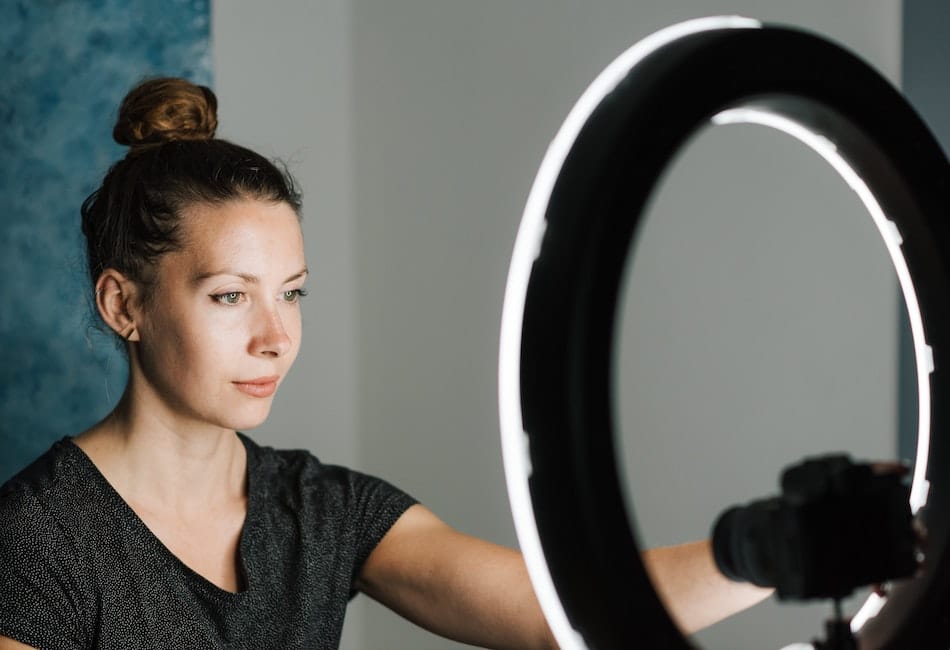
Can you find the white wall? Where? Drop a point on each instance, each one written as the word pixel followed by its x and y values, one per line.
pixel 416 128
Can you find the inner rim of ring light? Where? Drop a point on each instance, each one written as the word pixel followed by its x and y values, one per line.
pixel 789 120
pixel 811 124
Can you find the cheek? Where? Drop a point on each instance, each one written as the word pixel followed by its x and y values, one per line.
pixel 293 325
pixel 171 350
pixel 187 342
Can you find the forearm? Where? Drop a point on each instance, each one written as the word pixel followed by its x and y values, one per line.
pixel 479 593
pixel 494 609
pixel 455 585
pixel 693 589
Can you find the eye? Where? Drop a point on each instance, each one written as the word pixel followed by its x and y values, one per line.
pixel 229 298
pixel 294 295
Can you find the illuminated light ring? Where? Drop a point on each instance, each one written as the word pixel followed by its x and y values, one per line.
pixel 557 339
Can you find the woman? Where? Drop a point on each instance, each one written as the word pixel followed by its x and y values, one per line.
pixel 162 526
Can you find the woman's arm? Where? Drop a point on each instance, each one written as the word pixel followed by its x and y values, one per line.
pixel 692 588
pixel 6 643
pixel 479 593
pixel 455 585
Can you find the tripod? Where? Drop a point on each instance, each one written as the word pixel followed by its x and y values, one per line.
pixel 839 632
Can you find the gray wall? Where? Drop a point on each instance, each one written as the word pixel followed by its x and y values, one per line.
pixel 416 129
pixel 284 85
pixel 759 328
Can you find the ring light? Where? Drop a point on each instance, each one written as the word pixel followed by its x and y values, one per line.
pixel 557 333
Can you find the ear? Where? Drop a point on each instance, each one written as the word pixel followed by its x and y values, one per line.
pixel 116 300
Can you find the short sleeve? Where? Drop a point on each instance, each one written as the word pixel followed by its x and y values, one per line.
pixel 375 506
pixel 39 598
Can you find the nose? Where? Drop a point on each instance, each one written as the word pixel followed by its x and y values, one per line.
pixel 270 338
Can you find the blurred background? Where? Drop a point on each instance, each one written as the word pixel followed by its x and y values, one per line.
pixel 761 320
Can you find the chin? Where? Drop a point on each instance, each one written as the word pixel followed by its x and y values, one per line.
pixel 250 419
pixel 250 423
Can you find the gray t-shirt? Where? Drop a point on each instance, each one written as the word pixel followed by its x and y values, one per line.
pixel 79 569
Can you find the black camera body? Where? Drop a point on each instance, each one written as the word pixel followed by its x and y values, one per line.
pixel 836 526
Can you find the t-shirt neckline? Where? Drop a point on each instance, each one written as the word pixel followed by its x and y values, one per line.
pixel 196 579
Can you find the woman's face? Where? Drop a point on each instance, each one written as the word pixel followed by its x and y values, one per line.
pixel 222 326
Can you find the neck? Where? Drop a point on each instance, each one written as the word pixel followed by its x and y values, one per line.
pixel 161 463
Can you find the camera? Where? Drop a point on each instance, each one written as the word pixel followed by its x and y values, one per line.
pixel 836 526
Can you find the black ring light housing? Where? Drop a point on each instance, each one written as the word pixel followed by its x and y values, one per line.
pixel 561 302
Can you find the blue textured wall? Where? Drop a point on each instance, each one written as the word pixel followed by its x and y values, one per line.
pixel 66 64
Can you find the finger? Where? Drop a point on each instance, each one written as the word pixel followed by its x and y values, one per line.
pixel 883 467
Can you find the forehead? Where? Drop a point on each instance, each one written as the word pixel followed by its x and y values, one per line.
pixel 241 232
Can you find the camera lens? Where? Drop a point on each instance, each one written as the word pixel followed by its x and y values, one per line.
pixel 743 542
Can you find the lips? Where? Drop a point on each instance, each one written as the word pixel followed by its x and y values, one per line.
pixel 259 387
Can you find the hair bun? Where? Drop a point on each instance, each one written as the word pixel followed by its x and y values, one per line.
pixel 165 109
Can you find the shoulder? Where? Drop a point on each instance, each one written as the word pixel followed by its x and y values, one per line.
pixel 42 585
pixel 42 474
pixel 36 503
pixel 325 492
pixel 46 514
pixel 27 499
pixel 299 470
pixel 282 470
pixel 25 524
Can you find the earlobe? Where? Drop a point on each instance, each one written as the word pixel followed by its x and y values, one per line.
pixel 130 333
pixel 115 295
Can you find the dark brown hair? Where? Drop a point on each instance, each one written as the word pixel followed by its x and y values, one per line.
pixel 173 162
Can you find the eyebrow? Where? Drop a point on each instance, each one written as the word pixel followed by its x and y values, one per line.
pixel 247 277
